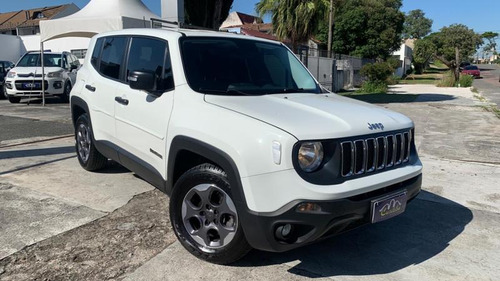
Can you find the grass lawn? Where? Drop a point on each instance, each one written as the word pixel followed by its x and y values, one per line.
pixel 431 76
pixel 380 98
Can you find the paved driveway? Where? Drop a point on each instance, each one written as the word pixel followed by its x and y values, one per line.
pixel 58 222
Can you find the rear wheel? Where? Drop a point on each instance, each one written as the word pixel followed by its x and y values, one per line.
pixel 204 217
pixel 88 156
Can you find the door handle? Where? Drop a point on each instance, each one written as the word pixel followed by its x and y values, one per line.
pixel 121 100
pixel 90 88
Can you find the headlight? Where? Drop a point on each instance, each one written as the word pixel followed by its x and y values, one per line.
pixel 310 156
pixel 55 74
pixel 11 74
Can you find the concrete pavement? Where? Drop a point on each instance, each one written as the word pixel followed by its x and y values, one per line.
pixel 448 233
pixel 119 226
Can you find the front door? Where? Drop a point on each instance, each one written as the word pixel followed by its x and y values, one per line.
pixel 142 117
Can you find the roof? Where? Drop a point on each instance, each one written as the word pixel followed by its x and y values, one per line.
pixel 25 18
pixel 96 17
pixel 175 33
pixel 237 19
pixel 258 34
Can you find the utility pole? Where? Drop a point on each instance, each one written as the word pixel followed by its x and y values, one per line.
pixel 330 30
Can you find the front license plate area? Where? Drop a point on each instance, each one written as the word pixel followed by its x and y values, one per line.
pixel 388 207
pixel 32 85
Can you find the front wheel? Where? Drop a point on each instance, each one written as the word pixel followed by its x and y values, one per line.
pixel 67 91
pixel 14 99
pixel 88 156
pixel 204 217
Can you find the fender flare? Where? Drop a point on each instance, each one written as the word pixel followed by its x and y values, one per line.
pixel 77 101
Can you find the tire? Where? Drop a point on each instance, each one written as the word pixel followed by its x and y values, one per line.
pixel 67 90
pixel 88 156
pixel 204 217
pixel 3 94
pixel 14 99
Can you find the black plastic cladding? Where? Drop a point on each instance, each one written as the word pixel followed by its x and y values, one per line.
pixel 329 171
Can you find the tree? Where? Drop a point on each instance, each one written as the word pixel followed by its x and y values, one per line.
pixel 422 54
pixel 454 43
pixel 294 20
pixel 207 13
pixel 368 28
pixel 491 45
pixel 416 25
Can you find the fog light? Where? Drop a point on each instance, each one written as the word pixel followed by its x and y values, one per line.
pixel 285 231
pixel 58 85
pixel 8 85
pixel 308 207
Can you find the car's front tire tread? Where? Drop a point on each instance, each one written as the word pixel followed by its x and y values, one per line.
pixel 205 173
pixel 96 160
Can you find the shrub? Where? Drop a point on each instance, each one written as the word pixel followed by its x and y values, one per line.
pixel 448 80
pixel 377 72
pixel 370 87
pixel 466 81
pixel 393 80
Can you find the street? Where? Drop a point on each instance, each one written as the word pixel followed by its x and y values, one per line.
pixel 489 84
pixel 59 222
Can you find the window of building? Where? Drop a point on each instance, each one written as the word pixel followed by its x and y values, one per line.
pixel 80 53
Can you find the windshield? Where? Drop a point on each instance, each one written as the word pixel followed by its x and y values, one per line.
pixel 243 67
pixel 471 68
pixel 32 60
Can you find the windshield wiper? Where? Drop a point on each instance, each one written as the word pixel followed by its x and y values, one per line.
pixel 288 90
pixel 232 92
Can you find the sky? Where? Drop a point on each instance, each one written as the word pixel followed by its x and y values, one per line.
pixel 480 15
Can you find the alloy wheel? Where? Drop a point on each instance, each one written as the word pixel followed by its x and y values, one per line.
pixel 209 216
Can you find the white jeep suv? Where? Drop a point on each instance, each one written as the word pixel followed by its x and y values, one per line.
pixel 252 151
pixel 25 79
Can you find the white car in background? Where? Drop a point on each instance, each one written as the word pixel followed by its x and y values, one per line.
pixel 25 79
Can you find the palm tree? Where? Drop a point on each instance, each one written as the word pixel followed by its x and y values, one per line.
pixel 294 20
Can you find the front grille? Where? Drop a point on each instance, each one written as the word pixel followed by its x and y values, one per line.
pixel 29 75
pixel 32 85
pixel 373 154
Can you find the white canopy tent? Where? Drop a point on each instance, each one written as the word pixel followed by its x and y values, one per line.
pixel 96 17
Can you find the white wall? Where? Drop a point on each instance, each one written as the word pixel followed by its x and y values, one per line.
pixel 11 49
pixel 32 43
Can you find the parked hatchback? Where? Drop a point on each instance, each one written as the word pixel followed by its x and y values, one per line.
pixel 472 70
pixel 25 80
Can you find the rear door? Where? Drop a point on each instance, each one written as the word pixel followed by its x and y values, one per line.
pixel 142 117
pixel 102 82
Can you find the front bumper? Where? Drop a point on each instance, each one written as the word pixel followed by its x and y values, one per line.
pixel 17 87
pixel 336 216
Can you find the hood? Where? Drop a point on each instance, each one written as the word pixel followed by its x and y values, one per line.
pixel 34 69
pixel 314 116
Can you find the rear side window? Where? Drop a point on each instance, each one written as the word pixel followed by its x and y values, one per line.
pixel 112 56
pixel 151 55
pixel 97 53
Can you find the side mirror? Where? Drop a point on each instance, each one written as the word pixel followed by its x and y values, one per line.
pixel 73 67
pixel 142 80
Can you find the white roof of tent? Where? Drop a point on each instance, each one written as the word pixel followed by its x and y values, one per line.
pixel 98 16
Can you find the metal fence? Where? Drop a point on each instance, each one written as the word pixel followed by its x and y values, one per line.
pixel 338 72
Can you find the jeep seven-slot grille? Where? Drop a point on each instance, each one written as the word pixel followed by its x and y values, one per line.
pixel 372 154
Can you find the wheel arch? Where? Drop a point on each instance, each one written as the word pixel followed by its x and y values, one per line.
pixel 78 107
pixel 186 152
